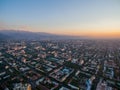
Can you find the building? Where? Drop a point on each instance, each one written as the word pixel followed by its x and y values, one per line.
pixel 20 86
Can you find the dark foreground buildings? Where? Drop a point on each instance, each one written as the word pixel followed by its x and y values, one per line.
pixel 60 65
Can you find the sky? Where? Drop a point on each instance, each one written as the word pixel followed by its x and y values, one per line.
pixel 96 18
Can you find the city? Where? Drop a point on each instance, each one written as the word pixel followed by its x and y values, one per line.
pixel 59 44
pixel 60 65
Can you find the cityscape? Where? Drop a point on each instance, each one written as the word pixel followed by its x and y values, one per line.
pixel 59 44
pixel 60 65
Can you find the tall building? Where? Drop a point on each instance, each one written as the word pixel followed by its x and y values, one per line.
pixel 89 83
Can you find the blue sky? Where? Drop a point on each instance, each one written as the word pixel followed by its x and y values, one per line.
pixel 60 16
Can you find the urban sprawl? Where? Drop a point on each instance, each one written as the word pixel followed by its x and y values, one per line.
pixel 60 65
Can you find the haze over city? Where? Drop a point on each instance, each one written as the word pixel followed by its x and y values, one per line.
pixel 59 44
pixel 94 18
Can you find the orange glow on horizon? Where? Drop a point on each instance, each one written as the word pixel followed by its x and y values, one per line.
pixel 93 33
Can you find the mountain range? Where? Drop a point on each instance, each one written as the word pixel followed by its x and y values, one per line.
pixel 26 35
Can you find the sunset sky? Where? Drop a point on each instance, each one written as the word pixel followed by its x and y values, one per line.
pixel 96 18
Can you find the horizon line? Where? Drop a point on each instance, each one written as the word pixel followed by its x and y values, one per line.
pixel 105 36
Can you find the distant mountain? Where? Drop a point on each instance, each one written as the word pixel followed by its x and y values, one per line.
pixel 13 34
pixel 19 35
pixel 2 36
